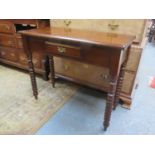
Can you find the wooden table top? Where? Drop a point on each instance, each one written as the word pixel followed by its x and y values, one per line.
pixel 85 36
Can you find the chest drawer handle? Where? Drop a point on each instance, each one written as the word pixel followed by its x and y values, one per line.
pixel 61 49
pixel 104 76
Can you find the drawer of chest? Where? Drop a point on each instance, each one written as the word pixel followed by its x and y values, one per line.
pixel 7 40
pixel 19 43
pixel 36 59
pixel 9 54
pixel 6 28
pixel 63 50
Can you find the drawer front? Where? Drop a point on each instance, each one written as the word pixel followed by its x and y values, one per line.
pixel 133 59
pixel 23 58
pixel 36 59
pixel 7 40
pixel 19 43
pixel 128 82
pixel 88 74
pixel 9 54
pixel 63 50
pixel 6 28
pixel 91 74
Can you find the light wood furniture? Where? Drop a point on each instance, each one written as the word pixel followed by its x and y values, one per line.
pixel 94 74
pixel 11 47
pixel 106 50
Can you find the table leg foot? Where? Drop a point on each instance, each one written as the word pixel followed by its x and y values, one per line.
pixel 105 129
pixel 33 79
pixel 109 104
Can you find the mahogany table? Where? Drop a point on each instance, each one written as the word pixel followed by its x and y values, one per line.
pixel 102 49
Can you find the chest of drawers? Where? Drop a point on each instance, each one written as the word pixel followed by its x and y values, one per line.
pixel 11 46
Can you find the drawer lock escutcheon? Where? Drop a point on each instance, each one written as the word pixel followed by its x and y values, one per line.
pixel 61 49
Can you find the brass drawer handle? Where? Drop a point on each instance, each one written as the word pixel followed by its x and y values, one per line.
pixel 62 45
pixel 113 25
pixel 67 22
pixel 61 49
pixel 104 76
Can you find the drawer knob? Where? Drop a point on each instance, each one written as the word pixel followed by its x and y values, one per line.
pixel 113 25
pixel 61 49
pixel 104 76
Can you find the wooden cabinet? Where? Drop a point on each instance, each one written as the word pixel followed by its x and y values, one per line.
pixel 72 70
pixel 11 46
pixel 125 26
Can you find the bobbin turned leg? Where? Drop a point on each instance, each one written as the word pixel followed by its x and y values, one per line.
pixel 120 79
pixel 119 86
pixel 46 70
pixel 109 104
pixel 33 77
pixel 52 71
pixel 28 53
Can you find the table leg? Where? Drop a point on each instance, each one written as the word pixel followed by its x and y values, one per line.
pixel 119 86
pixel 109 104
pixel 28 53
pixel 52 71
pixel 33 77
pixel 45 63
pixel 120 80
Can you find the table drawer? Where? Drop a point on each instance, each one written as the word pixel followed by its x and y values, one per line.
pixel 9 54
pixel 63 49
pixel 7 40
pixel 85 73
pixel 6 28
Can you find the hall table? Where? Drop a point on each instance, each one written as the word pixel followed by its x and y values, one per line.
pixel 108 50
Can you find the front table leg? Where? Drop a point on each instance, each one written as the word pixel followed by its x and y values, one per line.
pixel 120 80
pixel 119 86
pixel 109 104
pixel 52 71
pixel 33 77
pixel 28 53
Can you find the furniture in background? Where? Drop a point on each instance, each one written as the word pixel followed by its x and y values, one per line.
pixel 105 50
pixel 95 75
pixel 151 33
pixel 11 47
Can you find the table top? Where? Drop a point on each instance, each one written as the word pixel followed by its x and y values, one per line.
pixel 84 36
